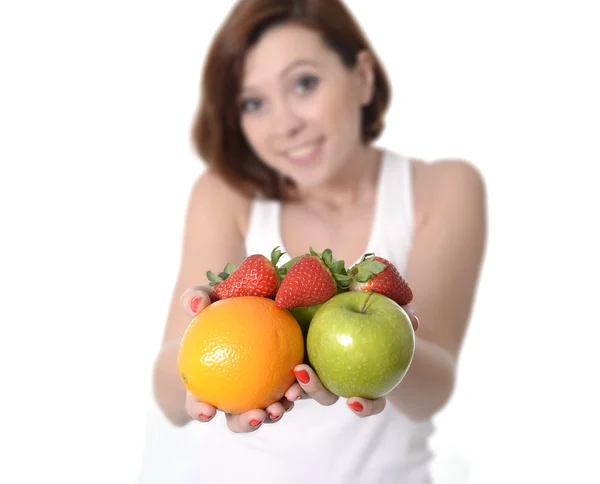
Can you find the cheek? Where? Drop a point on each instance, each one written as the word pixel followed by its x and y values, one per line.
pixel 254 134
pixel 342 112
pixel 257 136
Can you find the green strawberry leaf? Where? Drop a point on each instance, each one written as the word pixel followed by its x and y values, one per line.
pixel 342 280
pixel 276 255
pixel 363 276
pixel 213 278
pixel 327 257
pixel 369 255
pixel 373 266
pixel 229 268
pixel 338 267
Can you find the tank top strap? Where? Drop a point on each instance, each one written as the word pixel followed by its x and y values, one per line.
pixel 392 225
pixel 396 207
pixel 263 228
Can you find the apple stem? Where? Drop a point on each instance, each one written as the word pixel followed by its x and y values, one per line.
pixel 364 306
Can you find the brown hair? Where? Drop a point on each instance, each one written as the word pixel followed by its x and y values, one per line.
pixel 216 133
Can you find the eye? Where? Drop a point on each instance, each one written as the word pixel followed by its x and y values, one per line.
pixel 306 84
pixel 250 105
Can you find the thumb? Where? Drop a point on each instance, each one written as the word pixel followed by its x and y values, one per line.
pixel 412 314
pixel 195 299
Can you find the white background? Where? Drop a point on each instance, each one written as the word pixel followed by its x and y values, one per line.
pixel 96 101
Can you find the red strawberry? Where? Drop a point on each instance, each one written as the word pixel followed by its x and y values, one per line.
pixel 377 274
pixel 311 279
pixel 256 276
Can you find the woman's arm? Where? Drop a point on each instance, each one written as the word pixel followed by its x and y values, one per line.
pixel 212 238
pixel 443 272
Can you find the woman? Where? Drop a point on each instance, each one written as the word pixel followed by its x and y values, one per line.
pixel 293 98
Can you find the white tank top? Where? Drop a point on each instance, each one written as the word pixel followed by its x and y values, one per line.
pixel 312 443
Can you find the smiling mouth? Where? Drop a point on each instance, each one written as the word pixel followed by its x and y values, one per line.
pixel 306 153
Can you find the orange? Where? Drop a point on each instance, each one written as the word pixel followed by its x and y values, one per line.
pixel 239 354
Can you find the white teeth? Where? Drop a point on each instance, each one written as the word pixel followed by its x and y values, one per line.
pixel 299 153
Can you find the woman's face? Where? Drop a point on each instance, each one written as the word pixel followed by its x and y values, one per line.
pixel 301 107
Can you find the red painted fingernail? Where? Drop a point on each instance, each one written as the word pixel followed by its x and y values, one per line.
pixel 194 303
pixel 416 320
pixel 356 406
pixel 274 416
pixel 255 423
pixel 302 376
pixel 204 417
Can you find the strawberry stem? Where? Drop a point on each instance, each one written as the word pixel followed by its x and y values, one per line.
pixel 364 306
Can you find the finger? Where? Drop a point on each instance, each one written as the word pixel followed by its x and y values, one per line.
pixel 412 314
pixel 194 299
pixel 246 422
pixel 203 412
pixel 364 407
pixel 414 320
pixel 295 392
pixel 312 386
pixel 287 404
pixel 275 412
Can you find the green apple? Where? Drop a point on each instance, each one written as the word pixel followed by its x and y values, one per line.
pixel 360 344
pixel 304 316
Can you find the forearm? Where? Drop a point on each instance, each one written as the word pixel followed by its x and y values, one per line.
pixel 428 384
pixel 169 391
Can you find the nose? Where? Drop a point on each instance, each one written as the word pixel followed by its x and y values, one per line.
pixel 286 122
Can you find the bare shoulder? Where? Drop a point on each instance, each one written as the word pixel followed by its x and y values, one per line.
pixel 212 235
pixel 214 196
pixel 445 185
pixel 212 238
pixel 211 186
pixel 446 173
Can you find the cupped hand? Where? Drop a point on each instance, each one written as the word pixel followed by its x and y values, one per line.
pixel 194 300
pixel 307 385
pixel 244 422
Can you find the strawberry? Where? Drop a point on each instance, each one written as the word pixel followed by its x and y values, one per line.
pixel 381 276
pixel 256 276
pixel 311 279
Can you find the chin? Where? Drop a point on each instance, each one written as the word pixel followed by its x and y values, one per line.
pixel 311 177
pixel 308 182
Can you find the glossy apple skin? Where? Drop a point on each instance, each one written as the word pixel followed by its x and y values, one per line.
pixel 305 314
pixel 358 354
